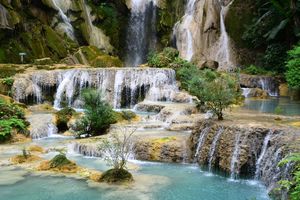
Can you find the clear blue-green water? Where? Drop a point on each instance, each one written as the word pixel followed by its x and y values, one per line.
pixel 286 105
pixel 181 181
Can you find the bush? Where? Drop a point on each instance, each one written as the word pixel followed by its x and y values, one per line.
pixel 163 59
pixel 11 117
pixel 59 161
pixel 98 114
pixel 254 70
pixel 292 186
pixel 63 117
pixel 274 58
pixel 293 68
pixel 9 81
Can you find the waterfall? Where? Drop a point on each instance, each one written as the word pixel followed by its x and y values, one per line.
pixel 141 33
pixel 41 126
pixel 122 87
pixel 68 28
pixel 262 154
pixel 235 157
pixel 201 141
pixel 96 37
pixel 186 47
pixel 223 55
pixel 90 150
pixel 4 17
pixel 267 85
pixel 246 92
pixel 213 147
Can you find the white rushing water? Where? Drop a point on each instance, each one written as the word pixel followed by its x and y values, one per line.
pixel 213 147
pixel 42 126
pixel 262 154
pixel 121 87
pixel 186 47
pixel 68 28
pixel 246 92
pixel 224 51
pixel 3 17
pixel 201 141
pixel 235 157
pixel 267 85
pixel 141 34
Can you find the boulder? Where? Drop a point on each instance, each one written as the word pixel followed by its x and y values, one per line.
pixel 208 64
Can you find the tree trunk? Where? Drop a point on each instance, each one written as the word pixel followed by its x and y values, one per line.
pixel 296 18
pixel 220 116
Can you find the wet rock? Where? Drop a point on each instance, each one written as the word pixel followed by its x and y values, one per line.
pixel 43 61
pixel 208 64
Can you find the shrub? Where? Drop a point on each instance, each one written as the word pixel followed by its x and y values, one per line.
pixel 63 117
pixel 9 81
pixel 7 125
pixel 274 58
pixel 164 58
pixel 254 70
pixel 293 68
pixel 292 186
pixel 98 114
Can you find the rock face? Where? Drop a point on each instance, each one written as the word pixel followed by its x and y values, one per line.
pixel 201 33
pixel 122 87
pixel 242 150
pixel 266 83
pixel 169 149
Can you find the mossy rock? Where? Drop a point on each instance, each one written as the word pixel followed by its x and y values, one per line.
pixel 59 161
pixel 43 61
pixel 116 176
pixel 63 117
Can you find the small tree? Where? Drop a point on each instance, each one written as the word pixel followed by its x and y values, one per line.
pixel 98 114
pixel 215 91
pixel 293 68
pixel 116 150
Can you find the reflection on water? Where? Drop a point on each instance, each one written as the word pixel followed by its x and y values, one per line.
pixel 286 105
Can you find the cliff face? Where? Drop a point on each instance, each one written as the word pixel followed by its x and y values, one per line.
pixel 245 150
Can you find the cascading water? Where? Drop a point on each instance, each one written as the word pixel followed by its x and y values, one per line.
pixel 201 141
pixel 96 37
pixel 213 147
pixel 267 85
pixel 68 28
pixel 122 87
pixel 3 17
pixel 235 157
pixel 186 47
pixel 246 92
pixel 262 154
pixel 141 33
pixel 41 126
pixel 224 54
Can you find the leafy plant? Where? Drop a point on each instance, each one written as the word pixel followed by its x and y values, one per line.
pixel 254 70
pixel 98 114
pixel 293 68
pixel 292 186
pixel 9 81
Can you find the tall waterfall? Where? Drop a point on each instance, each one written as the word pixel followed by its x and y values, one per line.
pixel 3 17
pixel 96 37
pixel 224 52
pixel 186 47
pixel 122 87
pixel 67 27
pixel 141 33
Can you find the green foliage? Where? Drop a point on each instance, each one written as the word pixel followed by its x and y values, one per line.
pixel 215 91
pixel 11 117
pixel 278 110
pixel 9 81
pixel 293 186
pixel 116 176
pixel 128 115
pixel 7 125
pixel 162 59
pixel 63 117
pixel 293 68
pixel 274 58
pixel 59 161
pixel 98 114
pixel 254 70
